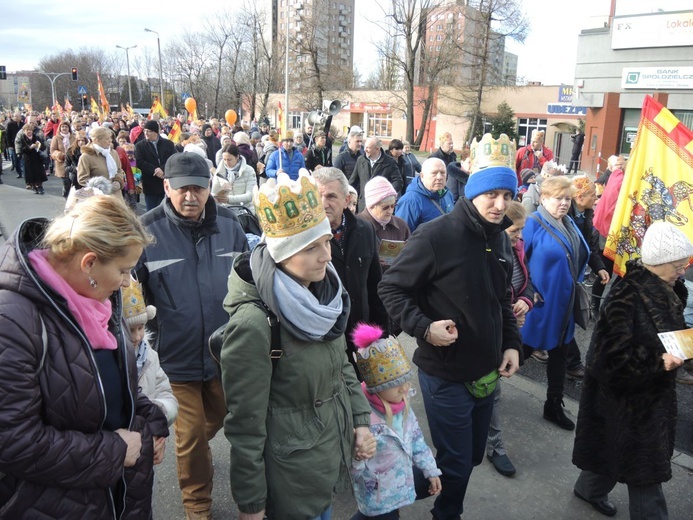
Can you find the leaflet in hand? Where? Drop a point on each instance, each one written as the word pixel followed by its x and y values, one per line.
pixel 389 249
pixel 678 343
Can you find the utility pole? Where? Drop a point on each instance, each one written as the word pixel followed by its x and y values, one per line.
pixel 161 80
pixel 127 58
pixel 52 76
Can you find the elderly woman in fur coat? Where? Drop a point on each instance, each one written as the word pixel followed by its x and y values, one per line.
pixel 627 420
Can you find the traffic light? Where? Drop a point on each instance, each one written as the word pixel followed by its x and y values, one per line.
pixel 74 73
pixel 84 99
pixel 3 72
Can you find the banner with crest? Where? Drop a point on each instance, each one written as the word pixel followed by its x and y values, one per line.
pixel 657 185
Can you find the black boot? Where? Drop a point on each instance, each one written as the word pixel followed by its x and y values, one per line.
pixel 553 411
pixel 595 305
pixel 36 191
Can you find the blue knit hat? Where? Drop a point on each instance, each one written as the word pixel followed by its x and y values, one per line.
pixel 489 179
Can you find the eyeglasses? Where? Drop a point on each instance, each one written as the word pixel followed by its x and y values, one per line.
pixel 388 207
pixel 681 269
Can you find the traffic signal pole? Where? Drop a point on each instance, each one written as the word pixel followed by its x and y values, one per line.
pixel 52 76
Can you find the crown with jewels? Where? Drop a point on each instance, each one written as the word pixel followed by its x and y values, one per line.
pixel 492 152
pixel 287 207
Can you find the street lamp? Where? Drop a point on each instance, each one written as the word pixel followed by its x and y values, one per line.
pixel 161 80
pixel 127 58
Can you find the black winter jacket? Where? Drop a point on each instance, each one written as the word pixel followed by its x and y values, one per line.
pixel 457 180
pixel 346 161
pixel 359 269
pixel 627 420
pixel 57 460
pixel 458 267
pixel 184 274
pixel 590 235
pixel 385 166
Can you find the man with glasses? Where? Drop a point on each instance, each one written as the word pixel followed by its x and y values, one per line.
pixel 427 197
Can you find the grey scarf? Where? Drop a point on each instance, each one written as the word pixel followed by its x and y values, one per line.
pixel 567 228
pixel 316 314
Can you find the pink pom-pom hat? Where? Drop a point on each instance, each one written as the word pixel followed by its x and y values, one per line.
pixel 381 361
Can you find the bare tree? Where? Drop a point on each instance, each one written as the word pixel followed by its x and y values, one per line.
pixel 405 20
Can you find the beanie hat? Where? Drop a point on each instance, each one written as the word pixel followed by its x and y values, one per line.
pixel 582 184
pixel 377 189
pixel 241 138
pixel 291 214
pixel 152 126
pixel 489 179
pixel 255 135
pixel 135 311
pixel 527 174
pixel 664 243
pixel 382 362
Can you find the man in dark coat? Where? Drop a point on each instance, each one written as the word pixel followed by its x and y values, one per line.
pixel 374 162
pixel 151 155
pixel 346 160
pixel 461 338
pixel 354 254
pixel 578 139
pixel 445 151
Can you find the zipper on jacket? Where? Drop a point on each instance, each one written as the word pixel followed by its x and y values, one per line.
pixel 163 284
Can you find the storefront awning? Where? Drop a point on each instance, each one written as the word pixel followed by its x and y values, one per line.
pixel 565 127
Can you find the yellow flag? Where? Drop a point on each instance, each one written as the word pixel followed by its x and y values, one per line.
pixel 95 107
pixel 657 185
pixel 102 97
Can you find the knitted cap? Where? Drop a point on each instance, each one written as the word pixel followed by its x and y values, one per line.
pixel 382 362
pixel 152 126
pixel 135 311
pixel 527 174
pixel 377 189
pixel 664 243
pixel 291 214
pixel 489 179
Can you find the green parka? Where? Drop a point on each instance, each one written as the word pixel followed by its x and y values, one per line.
pixel 291 426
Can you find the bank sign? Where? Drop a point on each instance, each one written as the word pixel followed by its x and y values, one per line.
pixel 565 108
pixel 657 78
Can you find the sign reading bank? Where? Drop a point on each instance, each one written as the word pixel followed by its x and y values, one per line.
pixel 657 78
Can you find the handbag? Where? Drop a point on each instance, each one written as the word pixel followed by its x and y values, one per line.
pixel 484 386
pixel 581 299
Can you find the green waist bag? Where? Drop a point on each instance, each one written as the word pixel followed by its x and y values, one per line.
pixel 484 386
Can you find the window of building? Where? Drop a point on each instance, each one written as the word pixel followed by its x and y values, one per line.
pixel 439 37
pixel 430 38
pixel 295 119
pixel 437 47
pixel 525 127
pixel 440 27
pixel 380 125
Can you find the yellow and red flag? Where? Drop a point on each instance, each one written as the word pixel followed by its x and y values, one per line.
pixel 68 105
pixel 102 97
pixel 174 134
pixel 129 109
pixel 47 112
pixel 657 185
pixel 156 107
pixel 280 118
pixel 57 108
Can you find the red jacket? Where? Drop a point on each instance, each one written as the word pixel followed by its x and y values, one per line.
pixel 125 165
pixel 526 292
pixel 525 158
pixel 604 211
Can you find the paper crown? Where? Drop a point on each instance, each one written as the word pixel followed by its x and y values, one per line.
pixel 284 211
pixel 492 152
pixel 382 362
pixel 135 311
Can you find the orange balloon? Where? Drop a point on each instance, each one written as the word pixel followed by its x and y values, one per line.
pixel 230 116
pixel 190 105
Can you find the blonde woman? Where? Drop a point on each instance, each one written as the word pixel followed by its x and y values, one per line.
pixel 69 381
pixel 99 159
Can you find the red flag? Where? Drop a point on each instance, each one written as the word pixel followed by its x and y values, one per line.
pixel 174 134
pixel 280 118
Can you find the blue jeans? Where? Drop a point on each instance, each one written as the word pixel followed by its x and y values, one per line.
pixel 459 427
pixel 326 515
pixel 152 201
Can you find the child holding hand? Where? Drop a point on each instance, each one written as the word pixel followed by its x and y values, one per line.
pixel 403 469
pixel 151 378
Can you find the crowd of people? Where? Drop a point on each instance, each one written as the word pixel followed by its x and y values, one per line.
pixel 106 318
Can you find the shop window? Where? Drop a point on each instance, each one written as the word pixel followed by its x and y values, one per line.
pixel 380 125
pixel 525 127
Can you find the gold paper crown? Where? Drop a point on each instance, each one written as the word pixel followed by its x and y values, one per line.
pixel 291 212
pixel 383 364
pixel 492 152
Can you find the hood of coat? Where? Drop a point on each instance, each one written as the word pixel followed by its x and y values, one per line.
pixel 241 285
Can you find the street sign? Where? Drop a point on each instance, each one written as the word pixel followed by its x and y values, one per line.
pixel 81 89
pixel 185 95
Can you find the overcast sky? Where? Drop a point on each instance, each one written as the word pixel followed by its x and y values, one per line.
pixel 34 29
